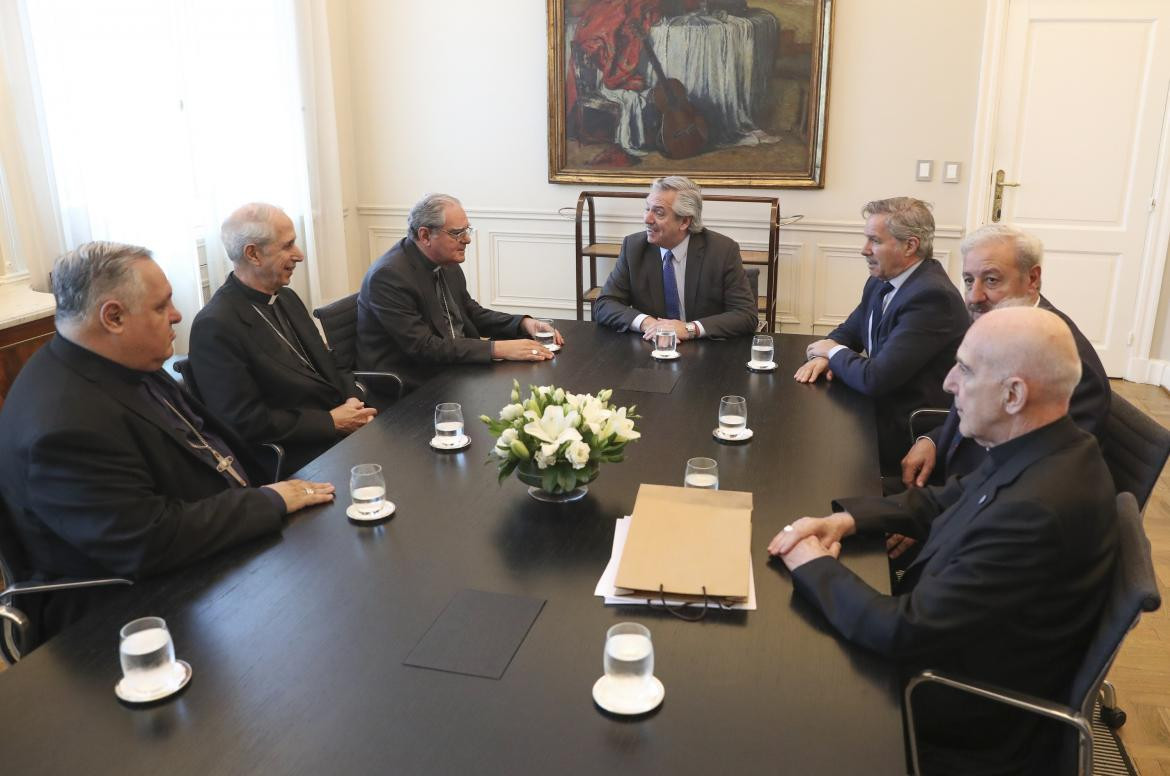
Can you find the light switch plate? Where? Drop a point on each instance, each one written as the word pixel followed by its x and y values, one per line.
pixel 951 172
pixel 924 170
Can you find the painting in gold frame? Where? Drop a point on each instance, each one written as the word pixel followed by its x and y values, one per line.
pixel 727 92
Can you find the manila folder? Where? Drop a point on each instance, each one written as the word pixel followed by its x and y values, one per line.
pixel 686 539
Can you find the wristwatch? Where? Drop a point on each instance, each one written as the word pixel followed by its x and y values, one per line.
pixel 692 330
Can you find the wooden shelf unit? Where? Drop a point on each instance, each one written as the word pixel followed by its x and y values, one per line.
pixel 587 246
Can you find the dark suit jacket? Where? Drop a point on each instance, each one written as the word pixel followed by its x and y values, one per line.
pixel 96 484
pixel 916 342
pixel 716 292
pixel 251 379
pixel 1007 589
pixel 401 325
pixel 1089 409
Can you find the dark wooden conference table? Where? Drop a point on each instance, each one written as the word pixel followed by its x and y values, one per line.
pixel 297 642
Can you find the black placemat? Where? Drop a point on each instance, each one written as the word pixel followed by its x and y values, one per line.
pixel 478 633
pixel 650 380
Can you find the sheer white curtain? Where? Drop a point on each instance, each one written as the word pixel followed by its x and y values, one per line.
pixel 162 116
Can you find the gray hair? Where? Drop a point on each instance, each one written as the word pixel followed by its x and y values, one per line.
pixel 250 224
pixel 1029 250
pixel 429 212
pixel 91 273
pixel 688 199
pixel 906 217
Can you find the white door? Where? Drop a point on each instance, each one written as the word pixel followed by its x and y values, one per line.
pixel 1082 96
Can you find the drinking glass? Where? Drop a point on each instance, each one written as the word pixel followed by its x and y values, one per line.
pixel 448 423
pixel 546 333
pixel 629 658
pixel 762 349
pixel 702 473
pixel 732 415
pixel 665 340
pixel 148 655
pixel 367 488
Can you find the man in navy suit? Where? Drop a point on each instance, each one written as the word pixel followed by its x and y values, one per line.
pixel 678 274
pixel 1016 561
pixel 899 343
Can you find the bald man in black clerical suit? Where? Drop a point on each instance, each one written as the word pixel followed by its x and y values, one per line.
pixel 1016 557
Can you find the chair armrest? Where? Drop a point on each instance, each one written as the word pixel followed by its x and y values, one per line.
pixel 925 420
pixel 278 458
pixel 1019 700
pixel 385 384
pixel 21 588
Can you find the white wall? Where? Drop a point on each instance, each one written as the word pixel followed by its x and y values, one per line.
pixel 451 95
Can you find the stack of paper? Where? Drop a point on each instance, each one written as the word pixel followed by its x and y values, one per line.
pixel 680 541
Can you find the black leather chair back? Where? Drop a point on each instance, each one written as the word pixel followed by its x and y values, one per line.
pixel 339 320
pixel 1135 447
pixel 12 558
pixel 183 367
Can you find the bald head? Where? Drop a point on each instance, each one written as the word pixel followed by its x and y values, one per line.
pixel 1015 372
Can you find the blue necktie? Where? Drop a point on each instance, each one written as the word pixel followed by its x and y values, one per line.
pixel 876 318
pixel 670 287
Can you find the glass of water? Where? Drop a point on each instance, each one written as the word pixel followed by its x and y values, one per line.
pixel 148 656
pixel 629 658
pixel 546 333
pixel 732 416
pixel 762 349
pixel 448 423
pixel 367 488
pixel 665 341
pixel 702 473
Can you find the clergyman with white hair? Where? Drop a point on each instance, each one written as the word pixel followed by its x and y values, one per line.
pixel 258 360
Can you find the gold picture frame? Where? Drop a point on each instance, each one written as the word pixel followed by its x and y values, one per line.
pixel 635 91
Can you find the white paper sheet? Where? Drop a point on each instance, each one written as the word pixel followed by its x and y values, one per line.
pixel 607 590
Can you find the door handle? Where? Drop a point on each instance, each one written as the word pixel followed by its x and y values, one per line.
pixel 997 198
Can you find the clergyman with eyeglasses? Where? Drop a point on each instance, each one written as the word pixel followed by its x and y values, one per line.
pixel 415 315
pixel 108 467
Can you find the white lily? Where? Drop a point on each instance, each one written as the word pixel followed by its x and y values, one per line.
pixel 555 427
pixel 595 415
pixel 620 427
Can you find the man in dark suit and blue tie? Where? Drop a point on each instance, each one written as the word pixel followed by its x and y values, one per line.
pixel 900 342
pixel 677 274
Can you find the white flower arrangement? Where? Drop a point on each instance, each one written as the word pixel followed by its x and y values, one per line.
pixel 560 437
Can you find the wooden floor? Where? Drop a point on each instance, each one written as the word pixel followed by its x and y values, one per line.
pixel 1142 671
